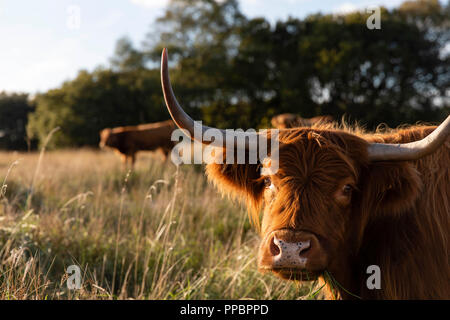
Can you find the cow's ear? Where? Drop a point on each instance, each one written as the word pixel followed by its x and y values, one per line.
pixel 390 187
pixel 240 181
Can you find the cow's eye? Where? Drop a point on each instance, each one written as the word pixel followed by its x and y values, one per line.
pixel 347 190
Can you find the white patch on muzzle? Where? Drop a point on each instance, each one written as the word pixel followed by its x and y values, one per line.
pixel 289 256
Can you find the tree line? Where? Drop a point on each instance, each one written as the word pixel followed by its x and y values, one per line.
pixel 232 71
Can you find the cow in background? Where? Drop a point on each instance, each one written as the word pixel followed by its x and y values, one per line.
pixel 290 120
pixel 130 139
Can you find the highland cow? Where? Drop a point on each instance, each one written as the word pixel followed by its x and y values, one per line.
pixel 131 139
pixel 343 200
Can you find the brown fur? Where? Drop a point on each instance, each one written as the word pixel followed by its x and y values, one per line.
pixel 130 139
pixel 290 120
pixel 398 217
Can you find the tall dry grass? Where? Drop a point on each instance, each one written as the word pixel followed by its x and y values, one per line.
pixel 159 232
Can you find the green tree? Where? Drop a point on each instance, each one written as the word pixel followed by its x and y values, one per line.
pixel 93 101
pixel 126 57
pixel 242 74
pixel 202 38
pixel 235 72
pixel 14 110
pixel 391 75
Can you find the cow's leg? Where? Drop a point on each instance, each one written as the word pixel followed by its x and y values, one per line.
pixel 162 151
pixel 132 160
pixel 165 154
pixel 124 159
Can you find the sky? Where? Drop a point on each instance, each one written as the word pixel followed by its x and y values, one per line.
pixel 46 42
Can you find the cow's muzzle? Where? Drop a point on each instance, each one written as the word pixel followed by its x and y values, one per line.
pixel 292 254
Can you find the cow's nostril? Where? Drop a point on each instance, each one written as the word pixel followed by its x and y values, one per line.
pixel 274 248
pixel 304 247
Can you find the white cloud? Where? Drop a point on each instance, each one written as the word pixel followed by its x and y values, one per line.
pixel 249 2
pixel 265 2
pixel 111 19
pixel 31 70
pixel 345 8
pixel 163 3
pixel 151 3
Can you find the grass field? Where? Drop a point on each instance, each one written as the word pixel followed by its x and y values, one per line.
pixel 155 233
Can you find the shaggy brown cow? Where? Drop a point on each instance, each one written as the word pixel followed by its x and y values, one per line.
pixel 290 120
pixel 129 140
pixel 344 200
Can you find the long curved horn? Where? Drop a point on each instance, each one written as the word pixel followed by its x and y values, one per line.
pixel 413 150
pixel 183 120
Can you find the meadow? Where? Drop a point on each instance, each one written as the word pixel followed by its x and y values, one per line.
pixel 157 232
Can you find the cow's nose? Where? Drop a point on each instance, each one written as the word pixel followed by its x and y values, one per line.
pixel 288 254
